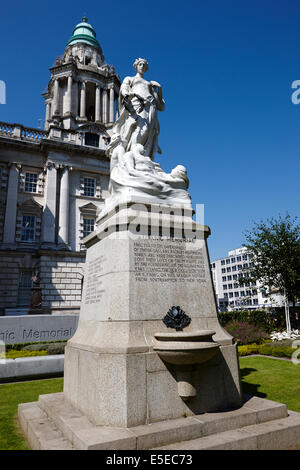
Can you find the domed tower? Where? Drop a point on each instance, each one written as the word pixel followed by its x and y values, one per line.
pixel 82 93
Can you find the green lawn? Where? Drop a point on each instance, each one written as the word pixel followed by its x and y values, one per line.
pixel 272 379
pixel 10 396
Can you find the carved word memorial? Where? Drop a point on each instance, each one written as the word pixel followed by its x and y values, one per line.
pixel 168 261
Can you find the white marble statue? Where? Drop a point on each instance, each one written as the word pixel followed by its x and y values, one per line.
pixel 139 102
pixel 133 172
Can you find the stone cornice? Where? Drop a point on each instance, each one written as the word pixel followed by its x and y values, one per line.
pixel 47 144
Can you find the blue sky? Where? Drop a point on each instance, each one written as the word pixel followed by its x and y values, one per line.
pixel 226 68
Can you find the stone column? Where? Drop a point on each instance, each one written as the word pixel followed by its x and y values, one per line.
pixel 68 108
pixel 55 108
pixel 49 213
pixel 104 106
pixel 48 115
pixel 9 230
pixel 98 104
pixel 63 232
pixel 83 100
pixel 111 104
pixel 74 104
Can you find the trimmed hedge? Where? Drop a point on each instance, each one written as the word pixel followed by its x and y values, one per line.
pixel 13 354
pixel 266 349
pixel 52 347
pixel 259 318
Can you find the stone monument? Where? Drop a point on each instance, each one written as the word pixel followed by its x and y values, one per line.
pixel 149 364
pixel 35 307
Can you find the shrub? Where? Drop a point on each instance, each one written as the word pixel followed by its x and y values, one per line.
pixel 266 349
pixel 260 318
pixel 13 354
pixel 22 346
pixel 248 349
pixel 51 348
pixel 245 333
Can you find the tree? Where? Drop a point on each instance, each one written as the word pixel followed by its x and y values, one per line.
pixel 275 246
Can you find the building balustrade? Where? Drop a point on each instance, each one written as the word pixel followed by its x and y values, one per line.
pixel 21 132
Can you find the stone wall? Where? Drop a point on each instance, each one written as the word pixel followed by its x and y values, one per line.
pixel 61 282
pixel 9 280
pixel 61 275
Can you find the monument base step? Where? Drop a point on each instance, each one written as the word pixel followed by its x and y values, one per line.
pixel 53 424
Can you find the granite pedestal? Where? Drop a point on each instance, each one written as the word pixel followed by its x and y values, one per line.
pixel 141 260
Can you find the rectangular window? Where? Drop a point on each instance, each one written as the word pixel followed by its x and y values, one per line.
pixel 28 228
pixel 236 285
pixel 88 227
pixel 89 187
pixel 228 261
pixel 225 295
pixel 31 182
pixel 225 287
pixel 238 258
pixel 229 286
pixel 228 278
pixel 255 301
pixel 230 294
pixel 244 257
pixel 224 278
pixel 233 268
pixel 242 293
pixel 240 267
pixel 24 288
pixel 234 276
pixel 233 260
pixel 223 270
pixel 228 270
pixel 245 265
pixel 222 262
pixel 236 294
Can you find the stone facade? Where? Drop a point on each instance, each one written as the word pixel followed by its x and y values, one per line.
pixel 54 182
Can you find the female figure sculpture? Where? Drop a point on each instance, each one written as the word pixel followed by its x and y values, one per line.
pixel 139 101
pixel 133 172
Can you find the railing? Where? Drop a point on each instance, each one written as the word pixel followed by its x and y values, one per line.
pixel 6 129
pixel 71 136
pixel 21 132
pixel 29 133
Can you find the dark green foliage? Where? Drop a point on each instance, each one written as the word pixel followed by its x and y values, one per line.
pixel 275 246
pixel 262 319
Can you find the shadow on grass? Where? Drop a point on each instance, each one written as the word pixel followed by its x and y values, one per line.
pixel 249 388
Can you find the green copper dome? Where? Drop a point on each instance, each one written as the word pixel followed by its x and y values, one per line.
pixel 84 32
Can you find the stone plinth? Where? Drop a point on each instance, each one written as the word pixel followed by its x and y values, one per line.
pixel 141 261
pixel 118 392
